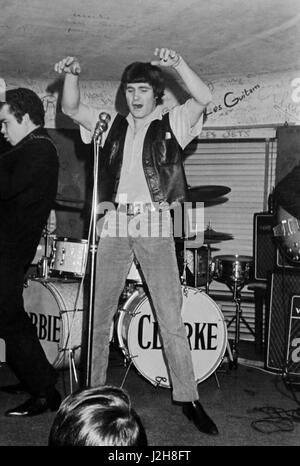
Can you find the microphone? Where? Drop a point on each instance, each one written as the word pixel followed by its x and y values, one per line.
pixel 101 125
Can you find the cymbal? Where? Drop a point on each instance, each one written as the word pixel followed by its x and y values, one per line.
pixel 212 237
pixel 206 193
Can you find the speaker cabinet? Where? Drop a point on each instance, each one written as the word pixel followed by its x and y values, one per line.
pixel 283 339
pixel 264 246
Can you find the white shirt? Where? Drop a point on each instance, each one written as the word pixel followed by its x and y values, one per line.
pixel 133 187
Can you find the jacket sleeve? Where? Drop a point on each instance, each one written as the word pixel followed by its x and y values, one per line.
pixel 28 165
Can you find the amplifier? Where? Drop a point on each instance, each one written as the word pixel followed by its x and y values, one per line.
pixel 283 339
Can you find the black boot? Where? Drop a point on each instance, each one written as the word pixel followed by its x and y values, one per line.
pixel 15 389
pixel 195 412
pixel 36 405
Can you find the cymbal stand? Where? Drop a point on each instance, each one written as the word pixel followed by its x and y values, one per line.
pixel 185 238
pixel 236 288
pixel 183 276
pixel 208 269
pixel 44 264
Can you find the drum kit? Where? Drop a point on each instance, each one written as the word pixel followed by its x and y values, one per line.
pixel 53 294
pixel 235 271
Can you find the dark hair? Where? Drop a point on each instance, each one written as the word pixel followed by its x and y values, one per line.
pixel 139 72
pixel 21 101
pixel 100 416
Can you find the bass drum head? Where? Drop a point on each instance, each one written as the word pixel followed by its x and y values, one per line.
pixel 138 337
pixel 55 308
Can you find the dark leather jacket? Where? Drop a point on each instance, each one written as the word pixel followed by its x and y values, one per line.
pixel 162 162
pixel 28 185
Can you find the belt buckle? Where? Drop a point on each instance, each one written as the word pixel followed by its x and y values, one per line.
pixel 136 209
pixel 130 209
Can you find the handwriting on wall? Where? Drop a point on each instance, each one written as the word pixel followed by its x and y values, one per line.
pixel 272 99
pixel 231 99
pixel 255 100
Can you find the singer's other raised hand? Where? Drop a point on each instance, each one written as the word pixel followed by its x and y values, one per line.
pixel 68 65
pixel 167 57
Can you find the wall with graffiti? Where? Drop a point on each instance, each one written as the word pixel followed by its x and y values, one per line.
pixel 238 102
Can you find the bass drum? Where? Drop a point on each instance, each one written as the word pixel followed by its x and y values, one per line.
pixel 137 333
pixel 56 309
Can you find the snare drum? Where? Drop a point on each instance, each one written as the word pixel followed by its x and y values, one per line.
pixel 69 257
pixel 56 309
pixel 138 337
pixel 233 269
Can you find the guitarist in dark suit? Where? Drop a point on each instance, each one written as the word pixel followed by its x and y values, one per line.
pixel 28 186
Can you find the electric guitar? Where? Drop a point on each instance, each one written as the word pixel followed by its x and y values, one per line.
pixel 288 232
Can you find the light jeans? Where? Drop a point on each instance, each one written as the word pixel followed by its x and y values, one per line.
pixel 157 259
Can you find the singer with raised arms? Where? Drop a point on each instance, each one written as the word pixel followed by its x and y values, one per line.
pixel 141 162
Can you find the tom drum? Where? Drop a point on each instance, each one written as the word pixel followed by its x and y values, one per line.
pixel 68 257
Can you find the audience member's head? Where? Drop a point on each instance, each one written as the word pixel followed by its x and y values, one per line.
pixel 100 416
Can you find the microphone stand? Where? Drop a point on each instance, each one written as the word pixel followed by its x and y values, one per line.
pixel 93 251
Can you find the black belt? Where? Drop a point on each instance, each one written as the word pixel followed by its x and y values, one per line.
pixel 135 208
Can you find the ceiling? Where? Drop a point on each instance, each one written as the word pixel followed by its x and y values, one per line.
pixel 217 37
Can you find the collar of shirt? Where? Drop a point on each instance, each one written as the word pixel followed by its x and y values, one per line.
pixel 155 115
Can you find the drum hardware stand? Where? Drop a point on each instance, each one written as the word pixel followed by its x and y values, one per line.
pixel 43 266
pixel 127 361
pixel 72 369
pixel 208 269
pixel 236 291
pixel 71 364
